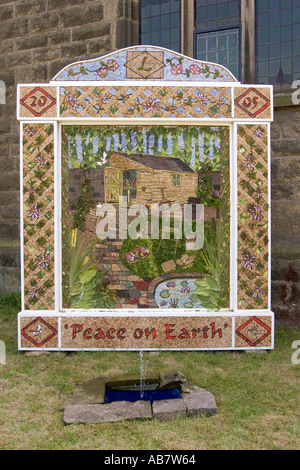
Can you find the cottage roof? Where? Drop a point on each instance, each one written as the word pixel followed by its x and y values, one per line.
pixel 159 163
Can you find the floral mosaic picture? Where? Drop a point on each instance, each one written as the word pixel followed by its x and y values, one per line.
pixel 38 210
pixel 144 166
pixel 253 216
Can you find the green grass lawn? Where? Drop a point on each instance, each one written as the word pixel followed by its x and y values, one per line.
pixel 159 252
pixel 257 397
pixel 162 250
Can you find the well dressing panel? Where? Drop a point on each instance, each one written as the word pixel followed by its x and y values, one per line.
pixel 145 206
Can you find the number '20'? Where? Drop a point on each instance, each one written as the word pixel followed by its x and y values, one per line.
pixel 40 102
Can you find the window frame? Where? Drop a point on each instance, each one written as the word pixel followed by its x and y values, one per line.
pixel 177 180
pixel 207 31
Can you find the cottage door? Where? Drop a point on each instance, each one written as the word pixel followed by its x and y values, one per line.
pixel 113 179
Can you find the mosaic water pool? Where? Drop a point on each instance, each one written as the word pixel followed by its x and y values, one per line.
pixel 177 293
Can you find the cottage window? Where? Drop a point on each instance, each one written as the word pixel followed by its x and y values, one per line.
pixel 176 180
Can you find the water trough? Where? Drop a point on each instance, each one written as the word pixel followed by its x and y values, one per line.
pixel 165 397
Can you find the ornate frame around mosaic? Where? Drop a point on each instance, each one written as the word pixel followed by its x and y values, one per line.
pixel 117 89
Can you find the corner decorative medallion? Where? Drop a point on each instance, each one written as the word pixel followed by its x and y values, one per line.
pixel 253 331
pixel 38 101
pixel 252 102
pixel 39 332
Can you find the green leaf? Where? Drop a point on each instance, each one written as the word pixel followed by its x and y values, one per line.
pixel 90 286
pixel 201 294
pixel 88 295
pixel 86 305
pixel 87 275
pixel 75 299
pixel 76 288
pixel 212 283
pixel 209 306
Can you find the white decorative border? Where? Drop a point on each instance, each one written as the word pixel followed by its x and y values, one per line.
pixel 154 313
pixel 58 122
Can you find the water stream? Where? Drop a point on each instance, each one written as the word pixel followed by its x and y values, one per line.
pixel 143 366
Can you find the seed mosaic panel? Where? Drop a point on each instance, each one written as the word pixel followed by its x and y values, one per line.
pixel 38 101
pixel 253 331
pixel 164 102
pixel 144 63
pixel 189 297
pixel 39 332
pixel 174 332
pixel 38 210
pixel 108 161
pixel 252 102
pixel 253 224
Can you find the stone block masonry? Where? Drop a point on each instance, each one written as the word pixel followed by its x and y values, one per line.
pixel 286 215
pixel 38 38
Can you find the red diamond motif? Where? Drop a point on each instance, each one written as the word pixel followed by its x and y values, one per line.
pixel 252 102
pixel 38 101
pixel 39 332
pixel 256 329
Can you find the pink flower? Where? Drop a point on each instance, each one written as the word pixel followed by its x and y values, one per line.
pixel 41 160
pixel 249 162
pixel 33 292
pixel 113 65
pixel 176 69
pixel 195 69
pixel 30 131
pixel 248 261
pixel 34 212
pixel 259 133
pixel 257 293
pixel 151 105
pixel 102 72
pixel 171 284
pixel 72 102
pixel 256 212
pixel 103 98
pixel 44 260
pixel 259 193
pixel 202 98
pixel 221 101
pixel 170 108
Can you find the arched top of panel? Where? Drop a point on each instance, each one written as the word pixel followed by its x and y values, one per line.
pixel 144 63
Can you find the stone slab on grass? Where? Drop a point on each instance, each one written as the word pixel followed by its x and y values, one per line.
pixel 199 402
pixel 168 410
pixel 89 393
pixel 112 412
pixel 171 380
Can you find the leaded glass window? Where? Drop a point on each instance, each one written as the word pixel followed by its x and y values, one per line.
pixel 215 14
pixel 160 23
pixel 218 33
pixel 220 47
pixel 278 41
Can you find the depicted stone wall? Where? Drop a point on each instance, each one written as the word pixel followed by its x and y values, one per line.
pixel 38 38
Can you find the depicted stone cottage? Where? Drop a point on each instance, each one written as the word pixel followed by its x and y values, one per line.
pixel 147 179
